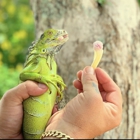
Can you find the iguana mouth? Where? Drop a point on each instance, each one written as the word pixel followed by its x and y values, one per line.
pixel 63 37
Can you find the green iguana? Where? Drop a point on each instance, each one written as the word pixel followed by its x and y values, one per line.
pixel 40 66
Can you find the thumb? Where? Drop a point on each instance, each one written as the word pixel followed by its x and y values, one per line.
pixel 18 94
pixel 89 81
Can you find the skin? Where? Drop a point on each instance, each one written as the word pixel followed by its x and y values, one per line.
pixel 89 114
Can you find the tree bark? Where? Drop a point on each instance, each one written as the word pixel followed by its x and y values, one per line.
pixel 117 25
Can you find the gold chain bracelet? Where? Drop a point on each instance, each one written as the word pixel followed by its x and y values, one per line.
pixel 56 134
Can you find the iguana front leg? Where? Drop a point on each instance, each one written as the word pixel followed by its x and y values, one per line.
pixel 47 80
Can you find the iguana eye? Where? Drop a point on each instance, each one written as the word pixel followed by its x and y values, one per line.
pixel 44 50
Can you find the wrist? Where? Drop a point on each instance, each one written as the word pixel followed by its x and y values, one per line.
pixel 64 127
pixel 70 128
pixel 54 134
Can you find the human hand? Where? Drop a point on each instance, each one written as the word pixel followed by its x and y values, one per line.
pixel 93 111
pixel 11 109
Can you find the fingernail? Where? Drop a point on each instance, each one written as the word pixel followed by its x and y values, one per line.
pixel 89 70
pixel 43 86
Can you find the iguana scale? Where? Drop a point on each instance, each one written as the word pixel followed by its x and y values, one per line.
pixel 40 66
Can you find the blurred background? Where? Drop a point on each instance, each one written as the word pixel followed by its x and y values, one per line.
pixel 114 22
pixel 16 34
pixel 17 31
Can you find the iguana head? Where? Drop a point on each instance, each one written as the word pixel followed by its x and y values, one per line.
pixel 50 41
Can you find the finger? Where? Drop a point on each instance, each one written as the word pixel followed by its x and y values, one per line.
pixel 24 90
pixel 90 84
pixel 113 93
pixel 88 78
pixel 55 109
pixel 77 84
pixel 79 74
pixel 106 82
pixel 79 91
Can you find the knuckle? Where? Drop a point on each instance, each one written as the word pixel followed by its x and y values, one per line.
pixel 91 78
pixel 28 85
pixel 7 95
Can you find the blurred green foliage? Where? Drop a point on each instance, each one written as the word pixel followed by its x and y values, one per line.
pixel 101 2
pixel 16 34
pixel 8 79
pixel 138 1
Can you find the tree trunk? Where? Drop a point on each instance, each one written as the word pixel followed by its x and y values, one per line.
pixel 117 25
